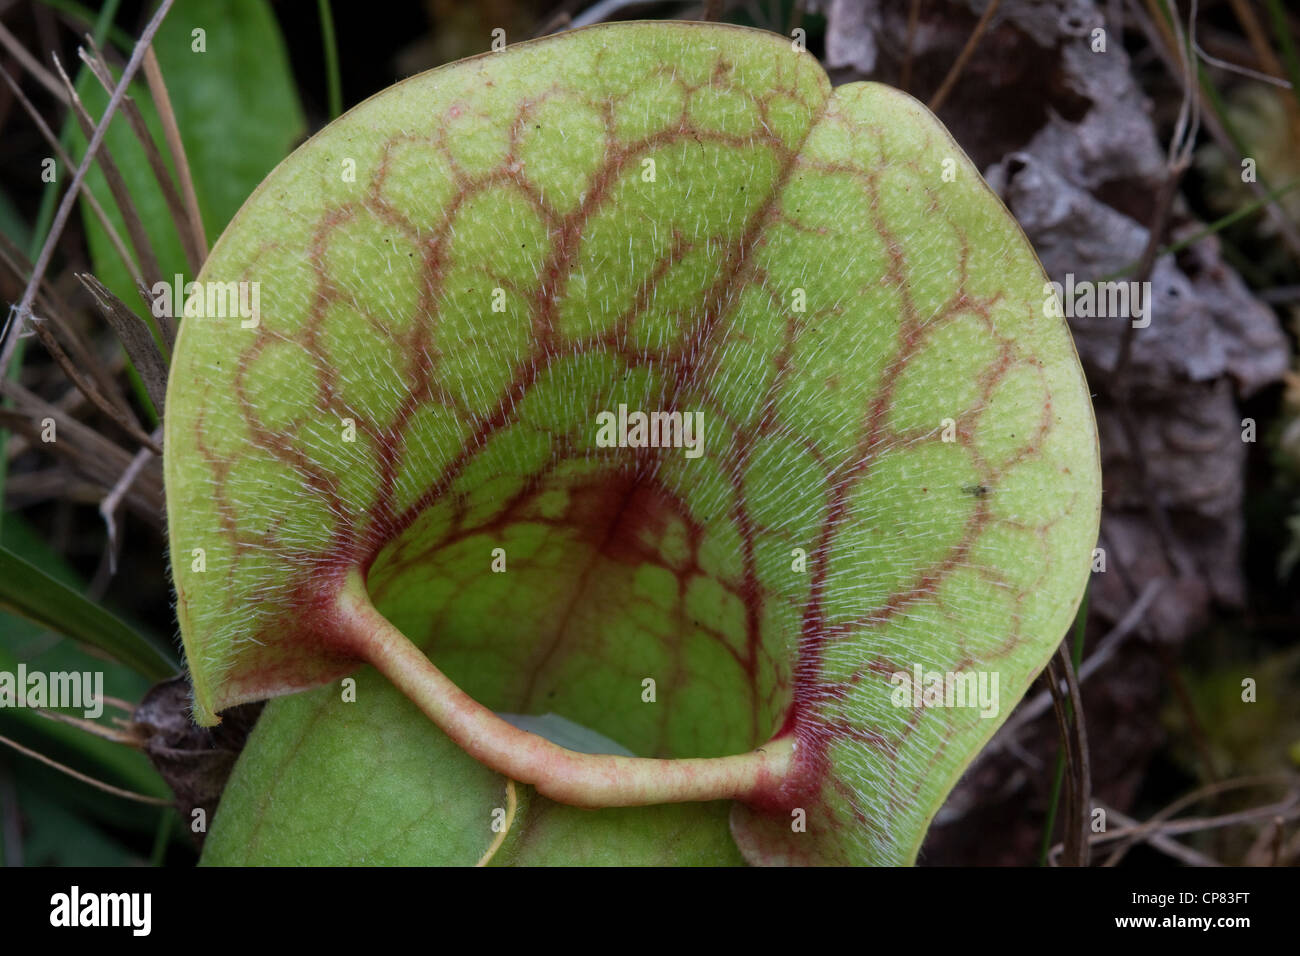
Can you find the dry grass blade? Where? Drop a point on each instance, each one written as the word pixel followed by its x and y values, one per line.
pixel 1161 41
pixel 113 236
pixel 1160 823
pixel 70 403
pixel 557 21
pixel 84 449
pixel 125 706
pixel 1029 712
pixel 1269 848
pixel 1285 810
pixel 113 500
pixel 127 424
pixel 1178 159
pixel 135 119
pixel 1183 142
pixel 135 229
pixel 125 737
pixel 55 484
pixel 602 10
pixel 913 18
pixel 1166 845
pixel 949 81
pixel 136 338
pixel 167 326
pixel 56 310
pixel 84 778
pixel 21 314
pixel 1257 36
pixel 1074 841
pixel 31 64
pixel 172 135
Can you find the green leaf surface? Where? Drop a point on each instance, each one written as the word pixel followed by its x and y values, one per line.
pixel 433 804
pixel 473 281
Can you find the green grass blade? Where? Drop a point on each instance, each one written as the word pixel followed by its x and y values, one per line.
pixel 100 22
pixel 1277 17
pixel 30 592
pixel 1058 779
pixel 1223 222
pixel 332 75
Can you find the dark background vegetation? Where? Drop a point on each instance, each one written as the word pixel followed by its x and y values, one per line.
pixel 1200 527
